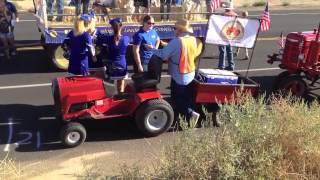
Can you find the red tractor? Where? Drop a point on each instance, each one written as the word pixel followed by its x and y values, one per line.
pixel 80 97
pixel 300 58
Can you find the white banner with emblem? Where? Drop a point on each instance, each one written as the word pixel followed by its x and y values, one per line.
pixel 234 31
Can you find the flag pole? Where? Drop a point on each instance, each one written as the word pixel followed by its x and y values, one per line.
pixel 251 55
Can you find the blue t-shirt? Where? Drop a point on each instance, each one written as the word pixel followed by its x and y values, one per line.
pixel 11 7
pixel 115 53
pixel 145 37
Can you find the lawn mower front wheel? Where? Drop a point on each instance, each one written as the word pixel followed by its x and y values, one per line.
pixel 154 117
pixel 73 134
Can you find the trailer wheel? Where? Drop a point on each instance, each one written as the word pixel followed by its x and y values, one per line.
pixel 154 117
pixel 73 134
pixel 279 78
pixel 56 58
pixel 294 84
pixel 43 43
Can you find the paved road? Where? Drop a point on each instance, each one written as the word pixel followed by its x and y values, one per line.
pixel 29 131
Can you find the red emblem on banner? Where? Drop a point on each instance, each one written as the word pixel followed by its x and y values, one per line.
pixel 232 30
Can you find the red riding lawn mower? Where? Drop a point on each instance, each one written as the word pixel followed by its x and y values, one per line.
pixel 300 58
pixel 85 97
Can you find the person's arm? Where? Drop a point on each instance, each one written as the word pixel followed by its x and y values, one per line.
pixel 168 51
pixel 157 43
pixel 137 39
pixel 15 12
pixel 89 44
pixel 136 56
pixel 66 42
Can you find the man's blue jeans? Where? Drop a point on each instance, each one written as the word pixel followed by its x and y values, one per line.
pixel 85 6
pixel 181 96
pixel 226 51
pixel 178 2
pixel 59 4
pixel 168 4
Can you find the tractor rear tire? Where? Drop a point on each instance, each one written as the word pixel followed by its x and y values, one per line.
pixel 154 117
pixel 73 134
pixel 294 85
pixel 279 78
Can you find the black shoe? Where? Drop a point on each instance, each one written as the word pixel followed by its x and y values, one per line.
pixel 246 58
pixel 59 19
pixel 13 53
pixel 229 68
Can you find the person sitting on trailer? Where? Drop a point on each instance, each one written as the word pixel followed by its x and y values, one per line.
pixel 181 53
pixel 115 46
pixel 80 45
pixel 60 7
pixel 85 6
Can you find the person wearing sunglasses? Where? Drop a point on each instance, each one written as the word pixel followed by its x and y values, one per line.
pixel 181 53
pixel 146 35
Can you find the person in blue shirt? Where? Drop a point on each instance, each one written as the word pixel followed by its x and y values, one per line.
pixel 14 13
pixel 79 43
pixel 181 53
pixel 115 46
pixel 146 35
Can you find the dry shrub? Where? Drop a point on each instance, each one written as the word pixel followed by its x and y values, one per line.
pixel 9 169
pixel 275 140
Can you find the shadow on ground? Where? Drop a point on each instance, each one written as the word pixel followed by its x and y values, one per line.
pixel 29 120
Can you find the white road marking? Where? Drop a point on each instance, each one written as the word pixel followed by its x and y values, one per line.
pixel 47 118
pixel 260 69
pixel 26 20
pixel 24 86
pixel 163 76
pixel 9 123
pixel 7 146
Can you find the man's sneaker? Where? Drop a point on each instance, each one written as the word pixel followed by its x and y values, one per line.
pixel 194 117
pixel 13 53
pixel 246 58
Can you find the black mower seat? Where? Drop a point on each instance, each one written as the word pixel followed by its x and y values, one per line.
pixel 150 78
pixel 110 89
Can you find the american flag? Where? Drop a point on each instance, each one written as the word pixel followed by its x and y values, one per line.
pixel 265 19
pixel 214 5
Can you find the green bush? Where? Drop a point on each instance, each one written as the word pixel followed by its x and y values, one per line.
pixel 259 141
pixel 259 3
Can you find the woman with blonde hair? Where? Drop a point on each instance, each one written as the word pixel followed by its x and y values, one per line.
pixel 79 43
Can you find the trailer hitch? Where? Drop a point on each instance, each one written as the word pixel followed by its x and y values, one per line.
pixel 272 58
